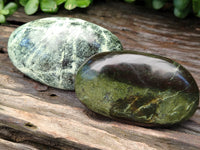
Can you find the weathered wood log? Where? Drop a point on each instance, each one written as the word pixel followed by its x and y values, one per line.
pixel 34 116
pixel 10 146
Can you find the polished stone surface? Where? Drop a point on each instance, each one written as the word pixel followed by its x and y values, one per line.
pixel 147 89
pixel 50 50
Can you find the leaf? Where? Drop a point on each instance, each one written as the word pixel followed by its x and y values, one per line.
pixel 23 2
pixel 196 6
pixel 12 7
pixel 181 4
pixel 70 4
pixel 83 3
pixel 198 14
pixel 1 4
pixel 4 12
pixel 182 13
pixel 49 6
pixel 31 7
pixel 158 4
pixel 59 2
pixel 2 19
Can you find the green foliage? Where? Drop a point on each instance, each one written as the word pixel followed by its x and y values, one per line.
pixel 23 2
pixel 49 6
pixel 83 3
pixel 70 4
pixel 31 7
pixel 181 4
pixel 182 8
pixel 6 10
pixel 59 2
pixel 196 7
pixel 158 4
pixel 12 7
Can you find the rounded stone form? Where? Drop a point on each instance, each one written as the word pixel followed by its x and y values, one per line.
pixel 147 89
pixel 50 50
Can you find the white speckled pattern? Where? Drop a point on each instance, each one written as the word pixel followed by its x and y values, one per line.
pixel 50 50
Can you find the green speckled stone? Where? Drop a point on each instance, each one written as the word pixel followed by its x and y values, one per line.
pixel 147 89
pixel 50 50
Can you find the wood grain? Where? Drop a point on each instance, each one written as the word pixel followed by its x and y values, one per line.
pixel 34 116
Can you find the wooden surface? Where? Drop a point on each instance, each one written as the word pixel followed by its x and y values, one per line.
pixel 34 116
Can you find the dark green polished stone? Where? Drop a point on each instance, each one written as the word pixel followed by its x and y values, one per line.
pixel 50 50
pixel 148 89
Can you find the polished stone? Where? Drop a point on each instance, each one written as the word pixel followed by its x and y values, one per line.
pixel 50 50
pixel 147 89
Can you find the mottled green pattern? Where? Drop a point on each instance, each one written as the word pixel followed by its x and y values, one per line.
pixel 50 50
pixel 99 87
